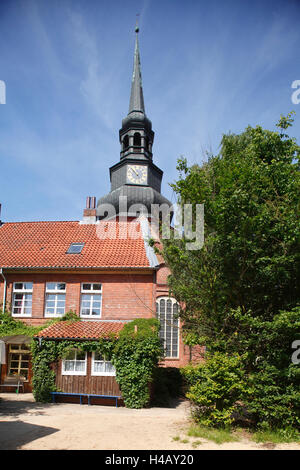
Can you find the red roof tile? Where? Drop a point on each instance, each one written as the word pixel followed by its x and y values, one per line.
pixel 44 245
pixel 81 329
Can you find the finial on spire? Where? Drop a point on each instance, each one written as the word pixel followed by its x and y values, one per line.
pixel 136 23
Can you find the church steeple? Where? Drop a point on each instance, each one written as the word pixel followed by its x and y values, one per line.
pixel 136 97
pixel 136 135
pixel 135 177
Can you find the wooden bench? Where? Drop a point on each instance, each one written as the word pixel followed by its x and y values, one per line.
pixel 89 395
pixel 12 382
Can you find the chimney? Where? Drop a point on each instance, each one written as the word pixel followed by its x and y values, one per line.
pixel 1 223
pixel 89 213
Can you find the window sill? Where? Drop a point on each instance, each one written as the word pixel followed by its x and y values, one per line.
pixel 21 315
pixel 103 374
pixel 90 317
pixel 73 373
pixel 48 315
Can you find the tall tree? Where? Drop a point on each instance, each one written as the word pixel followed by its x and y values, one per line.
pixel 249 268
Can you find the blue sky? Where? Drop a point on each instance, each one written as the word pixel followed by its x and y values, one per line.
pixel 208 67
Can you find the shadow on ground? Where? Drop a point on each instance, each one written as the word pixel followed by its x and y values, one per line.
pixel 14 434
pixel 18 407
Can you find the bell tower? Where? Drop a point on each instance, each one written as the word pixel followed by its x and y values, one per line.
pixel 135 176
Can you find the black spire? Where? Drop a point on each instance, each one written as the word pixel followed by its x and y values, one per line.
pixel 136 135
pixel 136 97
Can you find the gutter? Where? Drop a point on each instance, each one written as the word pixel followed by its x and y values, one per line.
pixel 4 292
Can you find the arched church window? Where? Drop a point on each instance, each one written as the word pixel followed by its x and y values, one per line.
pixel 167 310
pixel 137 139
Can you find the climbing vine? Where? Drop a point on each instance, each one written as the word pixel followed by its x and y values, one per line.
pixel 135 354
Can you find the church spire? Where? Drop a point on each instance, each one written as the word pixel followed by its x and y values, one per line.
pixel 135 177
pixel 136 135
pixel 136 97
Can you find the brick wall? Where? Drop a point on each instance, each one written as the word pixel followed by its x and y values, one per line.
pixel 124 296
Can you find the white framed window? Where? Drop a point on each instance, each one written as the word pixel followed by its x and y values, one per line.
pixel 22 299
pixel 74 363
pixel 100 366
pixel 91 300
pixel 55 299
pixel 167 310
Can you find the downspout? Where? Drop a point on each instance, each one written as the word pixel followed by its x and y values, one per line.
pixel 4 301
pixel 4 293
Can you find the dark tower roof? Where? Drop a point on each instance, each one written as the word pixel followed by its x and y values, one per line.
pixel 136 115
pixel 136 102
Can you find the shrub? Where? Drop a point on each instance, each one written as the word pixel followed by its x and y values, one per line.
pixel 215 387
pixel 274 397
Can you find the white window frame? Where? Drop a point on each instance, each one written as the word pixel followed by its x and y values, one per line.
pixel 94 373
pixel 74 372
pixel 164 338
pixel 21 291
pixel 90 292
pixel 57 292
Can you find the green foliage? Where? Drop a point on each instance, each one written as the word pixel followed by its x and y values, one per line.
pixel 70 316
pixel 43 380
pixel 215 387
pixel 135 357
pixel 277 436
pixel 134 354
pixel 274 396
pixel 241 291
pixel 219 436
pixel 10 326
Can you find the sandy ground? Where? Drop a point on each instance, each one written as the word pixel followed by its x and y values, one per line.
pixel 25 424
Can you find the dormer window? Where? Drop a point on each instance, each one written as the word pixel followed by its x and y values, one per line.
pixel 75 248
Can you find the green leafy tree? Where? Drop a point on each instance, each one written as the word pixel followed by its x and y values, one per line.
pixel 241 290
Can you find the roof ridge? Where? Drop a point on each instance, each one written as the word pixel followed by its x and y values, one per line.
pixel 38 222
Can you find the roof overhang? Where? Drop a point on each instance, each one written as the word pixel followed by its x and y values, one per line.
pixel 81 270
pixel 16 339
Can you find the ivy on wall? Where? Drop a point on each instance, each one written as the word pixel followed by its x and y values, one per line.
pixel 135 354
pixel 45 352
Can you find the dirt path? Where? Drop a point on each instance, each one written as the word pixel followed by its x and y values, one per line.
pixel 25 424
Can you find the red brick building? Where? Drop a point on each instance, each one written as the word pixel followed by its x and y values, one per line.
pixel 102 268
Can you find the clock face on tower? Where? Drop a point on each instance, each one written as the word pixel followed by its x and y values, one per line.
pixel 137 174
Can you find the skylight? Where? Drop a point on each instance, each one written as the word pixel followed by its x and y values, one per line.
pixel 75 248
